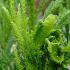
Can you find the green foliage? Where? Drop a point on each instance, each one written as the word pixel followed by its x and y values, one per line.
pixel 44 28
pixel 29 43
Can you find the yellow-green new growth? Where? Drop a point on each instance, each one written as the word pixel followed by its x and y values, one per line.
pixel 44 28
pixel 50 22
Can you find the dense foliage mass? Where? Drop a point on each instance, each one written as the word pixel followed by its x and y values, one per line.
pixel 34 36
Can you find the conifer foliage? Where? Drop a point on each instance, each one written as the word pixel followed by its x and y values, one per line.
pixel 31 40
